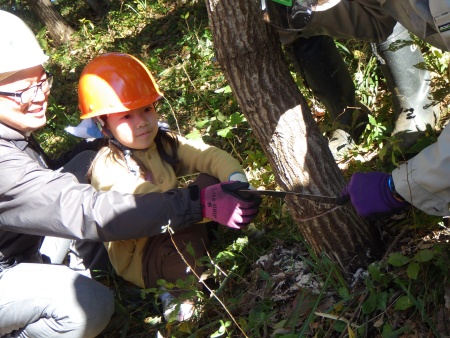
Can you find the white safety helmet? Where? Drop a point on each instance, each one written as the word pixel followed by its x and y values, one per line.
pixel 19 48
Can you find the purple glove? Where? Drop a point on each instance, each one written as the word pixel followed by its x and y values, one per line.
pixel 223 204
pixel 371 194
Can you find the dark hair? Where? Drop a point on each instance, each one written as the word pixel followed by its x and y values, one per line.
pixel 166 143
pixel 165 138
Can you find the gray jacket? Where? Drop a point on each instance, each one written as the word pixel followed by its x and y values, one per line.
pixel 36 201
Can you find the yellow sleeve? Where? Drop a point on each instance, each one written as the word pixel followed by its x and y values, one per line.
pixel 196 156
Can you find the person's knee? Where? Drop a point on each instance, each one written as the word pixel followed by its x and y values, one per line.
pixel 90 311
pixel 98 310
pixel 73 318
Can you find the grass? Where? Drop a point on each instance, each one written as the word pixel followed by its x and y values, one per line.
pixel 268 282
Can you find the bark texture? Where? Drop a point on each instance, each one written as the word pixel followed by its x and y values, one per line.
pixel 251 58
pixel 57 27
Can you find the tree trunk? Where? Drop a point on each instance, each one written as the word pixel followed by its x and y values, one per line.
pixel 251 58
pixel 57 27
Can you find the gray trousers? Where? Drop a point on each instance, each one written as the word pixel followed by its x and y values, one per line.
pixel 44 300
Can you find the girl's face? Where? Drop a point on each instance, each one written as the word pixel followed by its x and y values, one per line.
pixel 29 116
pixel 135 129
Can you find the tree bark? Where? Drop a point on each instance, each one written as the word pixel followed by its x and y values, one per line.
pixel 251 58
pixel 57 27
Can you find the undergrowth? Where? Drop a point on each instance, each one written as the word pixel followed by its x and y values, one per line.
pixel 263 281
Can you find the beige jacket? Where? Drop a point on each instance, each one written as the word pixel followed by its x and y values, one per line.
pixel 107 174
pixel 424 179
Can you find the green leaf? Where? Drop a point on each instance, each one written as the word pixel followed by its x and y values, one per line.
pixel 372 120
pixel 382 152
pixel 194 135
pixel 397 259
pixel 339 326
pixel 222 330
pixel 423 256
pixel 370 304
pixel 225 132
pixel 264 275
pixel 190 249
pixel 374 271
pixel 387 330
pixel 201 124
pixel 382 300
pixel 220 116
pixel 343 292
pixel 403 303
pixel 226 89
pixel 413 270
pixel 236 118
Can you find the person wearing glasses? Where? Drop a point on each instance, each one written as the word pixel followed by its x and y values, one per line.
pixel 48 300
pixel 30 93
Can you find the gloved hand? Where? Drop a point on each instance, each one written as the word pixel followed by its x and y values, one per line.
pixel 223 203
pixel 371 195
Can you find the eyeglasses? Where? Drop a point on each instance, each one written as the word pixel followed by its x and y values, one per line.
pixel 29 94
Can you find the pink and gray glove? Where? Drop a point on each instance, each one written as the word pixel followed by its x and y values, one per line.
pixel 223 203
pixel 373 194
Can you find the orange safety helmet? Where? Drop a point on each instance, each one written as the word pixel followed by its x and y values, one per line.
pixel 115 83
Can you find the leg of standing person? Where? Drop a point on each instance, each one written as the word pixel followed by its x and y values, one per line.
pixel 322 67
pixel 368 21
pixel 42 300
pixel 309 39
pixel 409 84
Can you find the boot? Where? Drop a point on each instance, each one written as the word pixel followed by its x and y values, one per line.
pixel 409 85
pixel 322 67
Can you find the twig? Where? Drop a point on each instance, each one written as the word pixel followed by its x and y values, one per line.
pixel 320 214
pixel 174 116
pixel 356 311
pixel 212 261
pixel 235 151
pixel 204 284
pixel 392 246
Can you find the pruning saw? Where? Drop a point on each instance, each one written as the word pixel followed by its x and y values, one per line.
pixel 332 200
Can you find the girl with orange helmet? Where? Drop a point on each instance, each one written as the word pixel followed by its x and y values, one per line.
pixel 118 92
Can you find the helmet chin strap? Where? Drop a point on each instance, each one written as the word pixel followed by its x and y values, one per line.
pixel 101 126
pixel 132 166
